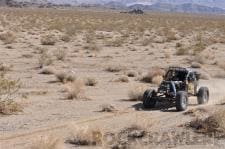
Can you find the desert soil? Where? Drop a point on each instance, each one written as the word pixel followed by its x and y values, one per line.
pixel 48 112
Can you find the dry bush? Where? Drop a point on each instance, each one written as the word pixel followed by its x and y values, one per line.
pixel 8 88
pixel 122 79
pixel 115 68
pixel 8 107
pixel 178 45
pixel 8 37
pixel 157 79
pixel 65 77
pixel 156 73
pixel 4 67
pixel 134 131
pixel 90 81
pixel 8 92
pixel 196 112
pixel 74 89
pixel 48 142
pixel 170 35
pixel 196 65
pixel 48 40
pixel 45 59
pixel 167 55
pixel 89 37
pixel 199 46
pixel 199 58
pixel 182 51
pixel 93 47
pixel 213 125
pixel 60 54
pixel 107 108
pixel 40 50
pixel 85 136
pixel 132 74
pixel 47 70
pixel 66 38
pixel 146 41
pixel 117 42
pixel 136 92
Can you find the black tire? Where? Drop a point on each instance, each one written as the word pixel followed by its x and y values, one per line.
pixel 203 95
pixel 181 101
pixel 148 101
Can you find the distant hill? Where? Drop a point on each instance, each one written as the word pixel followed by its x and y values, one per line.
pixel 190 6
pixel 187 7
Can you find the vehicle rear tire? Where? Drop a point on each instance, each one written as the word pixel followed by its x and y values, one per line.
pixel 148 101
pixel 203 95
pixel 181 101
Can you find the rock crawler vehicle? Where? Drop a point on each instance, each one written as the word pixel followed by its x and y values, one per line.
pixel 177 86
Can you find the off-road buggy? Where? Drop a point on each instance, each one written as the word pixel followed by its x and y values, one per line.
pixel 178 85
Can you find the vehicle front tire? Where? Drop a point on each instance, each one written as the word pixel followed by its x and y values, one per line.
pixel 181 101
pixel 203 95
pixel 148 100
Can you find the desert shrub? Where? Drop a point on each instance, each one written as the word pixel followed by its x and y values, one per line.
pixel 146 41
pixel 40 50
pixel 182 51
pixel 131 74
pixel 198 48
pixel 170 35
pixel 199 58
pixel 48 142
pixel 122 79
pixel 8 37
pixel 65 77
pixel 200 45
pixel 178 45
pixel 8 92
pixel 45 59
pixel 60 54
pixel 157 79
pixel 85 136
pixel 90 81
pixel 66 38
pixel 48 40
pixel 8 88
pixel 107 108
pixel 117 42
pixel 134 131
pixel 167 55
pixel 74 89
pixel 8 107
pixel 92 47
pixel 115 68
pixel 4 67
pixel 89 37
pixel 136 92
pixel 196 112
pixel 47 70
pixel 196 65
pixel 214 124
pixel 155 73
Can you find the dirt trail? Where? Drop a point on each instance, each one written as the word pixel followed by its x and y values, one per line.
pixel 217 90
pixel 164 119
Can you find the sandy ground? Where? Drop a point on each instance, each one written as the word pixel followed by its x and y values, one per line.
pixel 47 112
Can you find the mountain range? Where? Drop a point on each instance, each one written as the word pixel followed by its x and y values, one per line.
pixel 195 6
